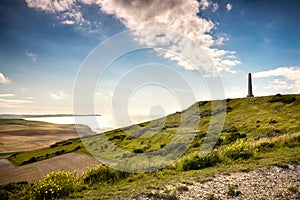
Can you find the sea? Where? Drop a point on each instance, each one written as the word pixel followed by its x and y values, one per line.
pixel 98 124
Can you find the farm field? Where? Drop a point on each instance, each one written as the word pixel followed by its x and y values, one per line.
pixel 35 171
pixel 21 135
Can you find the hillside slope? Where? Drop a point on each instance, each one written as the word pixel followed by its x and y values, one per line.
pixel 257 132
pixel 255 119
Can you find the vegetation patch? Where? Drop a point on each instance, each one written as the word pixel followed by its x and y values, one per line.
pixel 232 191
pixel 103 174
pixel 57 149
pixel 239 150
pixel 286 99
pixel 56 185
pixel 199 162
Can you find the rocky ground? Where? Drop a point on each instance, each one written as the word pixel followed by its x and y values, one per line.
pixel 265 183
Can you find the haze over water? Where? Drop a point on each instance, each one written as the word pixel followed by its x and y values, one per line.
pixel 105 123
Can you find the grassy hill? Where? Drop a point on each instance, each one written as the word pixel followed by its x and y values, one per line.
pixel 257 131
pixel 257 119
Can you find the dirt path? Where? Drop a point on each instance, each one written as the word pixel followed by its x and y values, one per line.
pixel 35 171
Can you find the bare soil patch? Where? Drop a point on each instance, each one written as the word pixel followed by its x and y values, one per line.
pixel 25 138
pixel 35 171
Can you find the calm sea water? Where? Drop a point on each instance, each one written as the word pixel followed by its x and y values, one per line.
pixel 98 124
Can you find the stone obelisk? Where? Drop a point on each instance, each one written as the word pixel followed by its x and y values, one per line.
pixel 250 93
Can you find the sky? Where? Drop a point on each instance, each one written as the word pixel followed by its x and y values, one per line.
pixel 144 57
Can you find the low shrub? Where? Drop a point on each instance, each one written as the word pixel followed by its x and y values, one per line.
pixel 210 196
pixel 182 188
pixel 118 137
pixel 53 145
pixel 292 142
pixel 231 191
pixel 31 160
pixel 162 196
pixel 195 144
pixel 14 190
pixel 232 129
pixel 56 185
pixel 273 121
pixel 281 165
pixel 200 162
pixel 293 189
pixel 138 151
pixel 67 143
pixel 286 99
pixel 228 109
pixel 103 174
pixel 15 187
pixel 264 147
pixel 239 149
pixel 232 137
pixel 3 194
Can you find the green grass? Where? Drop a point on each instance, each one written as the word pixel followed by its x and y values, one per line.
pixel 259 131
pixel 249 118
pixel 148 182
pixel 6 153
pixel 59 148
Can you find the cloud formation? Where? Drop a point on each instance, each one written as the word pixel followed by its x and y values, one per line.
pixel 6 95
pixel 204 4
pixel 287 78
pixel 59 95
pixel 215 7
pixel 67 11
pixel 177 15
pixel 11 103
pixel 4 79
pixel 32 56
pixel 229 6
pixel 181 16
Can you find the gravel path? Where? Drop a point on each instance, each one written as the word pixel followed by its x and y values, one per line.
pixel 265 183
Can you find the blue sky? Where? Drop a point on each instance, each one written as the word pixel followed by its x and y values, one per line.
pixel 44 43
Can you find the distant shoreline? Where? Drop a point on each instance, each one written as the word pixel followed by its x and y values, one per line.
pixel 12 116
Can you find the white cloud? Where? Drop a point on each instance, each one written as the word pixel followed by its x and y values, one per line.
pixel 30 98
pixel 24 89
pixel 67 11
pixel 204 4
pixel 59 95
pixel 69 22
pixel 4 79
pixel 215 7
pixel 280 85
pixel 229 6
pixel 11 103
pixel 177 15
pixel 51 5
pixel 220 41
pixel 32 56
pixel 287 78
pixel 7 95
